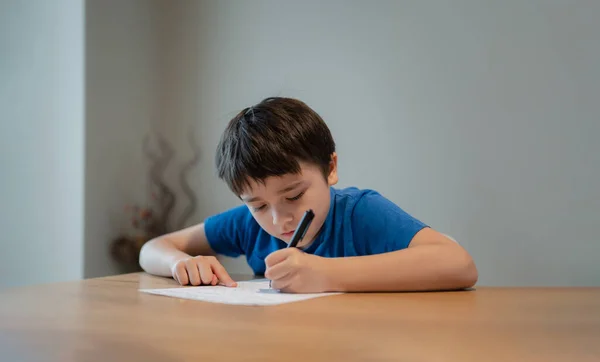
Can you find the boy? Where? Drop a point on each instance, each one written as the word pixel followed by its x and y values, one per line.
pixel 279 158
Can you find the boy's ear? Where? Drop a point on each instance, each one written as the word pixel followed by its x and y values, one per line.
pixel 332 178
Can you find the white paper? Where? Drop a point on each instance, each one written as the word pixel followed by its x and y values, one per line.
pixel 255 292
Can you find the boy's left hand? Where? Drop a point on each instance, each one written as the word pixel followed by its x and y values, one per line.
pixel 293 271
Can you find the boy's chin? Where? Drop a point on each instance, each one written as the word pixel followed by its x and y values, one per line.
pixel 282 238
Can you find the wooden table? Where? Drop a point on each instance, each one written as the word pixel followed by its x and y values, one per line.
pixel 107 319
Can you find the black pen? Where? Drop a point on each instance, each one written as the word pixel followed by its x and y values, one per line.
pixel 301 230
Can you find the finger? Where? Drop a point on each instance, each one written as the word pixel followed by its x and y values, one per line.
pixel 206 273
pixel 192 271
pixel 282 284
pixel 278 271
pixel 278 256
pixel 222 274
pixel 174 273
pixel 180 274
pixel 214 280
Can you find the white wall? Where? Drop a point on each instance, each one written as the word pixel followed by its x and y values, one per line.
pixel 480 118
pixel 124 91
pixel 41 141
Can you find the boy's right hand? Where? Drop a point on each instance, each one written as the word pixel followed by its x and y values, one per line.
pixel 201 270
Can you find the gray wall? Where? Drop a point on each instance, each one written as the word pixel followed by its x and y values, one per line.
pixel 41 141
pixel 480 118
pixel 477 117
pixel 124 91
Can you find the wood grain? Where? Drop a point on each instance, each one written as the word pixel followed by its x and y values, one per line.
pixel 107 319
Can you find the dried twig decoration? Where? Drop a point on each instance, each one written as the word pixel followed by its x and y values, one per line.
pixel 153 220
pixel 187 190
pixel 161 193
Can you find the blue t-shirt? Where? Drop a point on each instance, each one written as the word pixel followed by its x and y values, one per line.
pixel 359 222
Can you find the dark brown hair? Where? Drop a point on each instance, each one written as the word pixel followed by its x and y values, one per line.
pixel 270 139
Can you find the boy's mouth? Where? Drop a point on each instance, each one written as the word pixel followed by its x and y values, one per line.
pixel 289 234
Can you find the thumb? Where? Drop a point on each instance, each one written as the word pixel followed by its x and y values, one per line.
pixel 278 256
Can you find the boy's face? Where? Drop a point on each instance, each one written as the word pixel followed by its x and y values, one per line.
pixel 279 203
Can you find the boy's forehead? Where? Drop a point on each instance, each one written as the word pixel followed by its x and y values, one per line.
pixel 272 184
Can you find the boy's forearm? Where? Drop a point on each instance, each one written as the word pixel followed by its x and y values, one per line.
pixel 158 256
pixel 426 267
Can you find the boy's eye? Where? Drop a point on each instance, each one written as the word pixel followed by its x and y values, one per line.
pixel 258 208
pixel 296 197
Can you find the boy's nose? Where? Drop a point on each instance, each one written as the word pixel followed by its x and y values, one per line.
pixel 281 217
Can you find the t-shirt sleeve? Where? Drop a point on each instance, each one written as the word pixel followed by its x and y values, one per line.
pixel 380 226
pixel 226 231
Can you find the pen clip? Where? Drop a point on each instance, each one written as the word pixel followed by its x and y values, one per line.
pixel 303 234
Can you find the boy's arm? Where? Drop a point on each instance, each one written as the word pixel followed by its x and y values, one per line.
pixel 158 255
pixel 431 262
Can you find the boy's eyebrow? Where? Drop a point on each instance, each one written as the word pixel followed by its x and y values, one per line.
pixel 289 187
pixel 282 191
